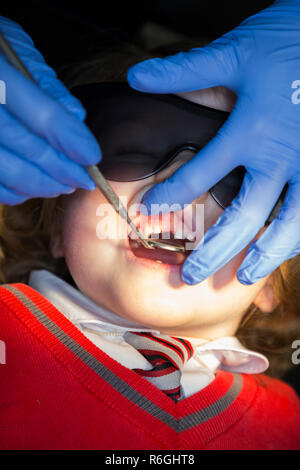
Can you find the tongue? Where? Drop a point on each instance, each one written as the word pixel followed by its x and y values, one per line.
pixel 159 254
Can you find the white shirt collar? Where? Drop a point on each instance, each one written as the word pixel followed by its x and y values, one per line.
pixel 226 353
pixel 77 307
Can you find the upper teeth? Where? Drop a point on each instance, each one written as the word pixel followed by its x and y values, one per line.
pixel 154 226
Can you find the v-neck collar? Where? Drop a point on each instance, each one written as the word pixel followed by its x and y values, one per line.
pixel 192 421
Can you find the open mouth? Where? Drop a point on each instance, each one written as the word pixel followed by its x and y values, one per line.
pixel 161 255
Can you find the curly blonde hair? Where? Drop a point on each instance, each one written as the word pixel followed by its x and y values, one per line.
pixel 25 235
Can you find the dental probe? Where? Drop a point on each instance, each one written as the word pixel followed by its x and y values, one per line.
pixel 114 199
pixel 92 170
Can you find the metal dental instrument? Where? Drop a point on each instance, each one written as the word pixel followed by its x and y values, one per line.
pixel 93 170
pixel 115 201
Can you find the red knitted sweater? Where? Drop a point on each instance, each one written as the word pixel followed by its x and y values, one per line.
pixel 60 391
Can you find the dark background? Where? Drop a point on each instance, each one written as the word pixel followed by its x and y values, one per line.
pixel 62 31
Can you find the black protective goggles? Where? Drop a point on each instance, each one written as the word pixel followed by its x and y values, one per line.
pixel 140 134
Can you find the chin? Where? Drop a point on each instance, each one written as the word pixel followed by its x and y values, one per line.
pixel 152 304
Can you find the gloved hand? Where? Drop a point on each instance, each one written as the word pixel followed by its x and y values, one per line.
pixel 43 141
pixel 260 61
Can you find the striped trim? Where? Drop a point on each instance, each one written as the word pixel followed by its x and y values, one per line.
pixel 188 347
pixel 165 378
pixel 179 425
pixel 164 340
pixel 172 351
pixel 169 380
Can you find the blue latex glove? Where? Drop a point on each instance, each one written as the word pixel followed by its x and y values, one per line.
pixel 43 141
pixel 260 61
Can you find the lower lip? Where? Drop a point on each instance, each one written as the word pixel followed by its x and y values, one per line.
pixel 170 261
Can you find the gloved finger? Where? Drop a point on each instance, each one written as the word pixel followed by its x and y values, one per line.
pixel 21 175
pixel 281 240
pixel 44 75
pixel 9 197
pixel 47 118
pixel 214 161
pixel 212 65
pixel 235 228
pixel 20 141
pixel 46 78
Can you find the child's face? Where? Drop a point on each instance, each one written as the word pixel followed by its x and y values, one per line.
pixel 152 294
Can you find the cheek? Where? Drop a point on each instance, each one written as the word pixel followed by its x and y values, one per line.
pixel 82 246
pixel 225 280
pixel 227 273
